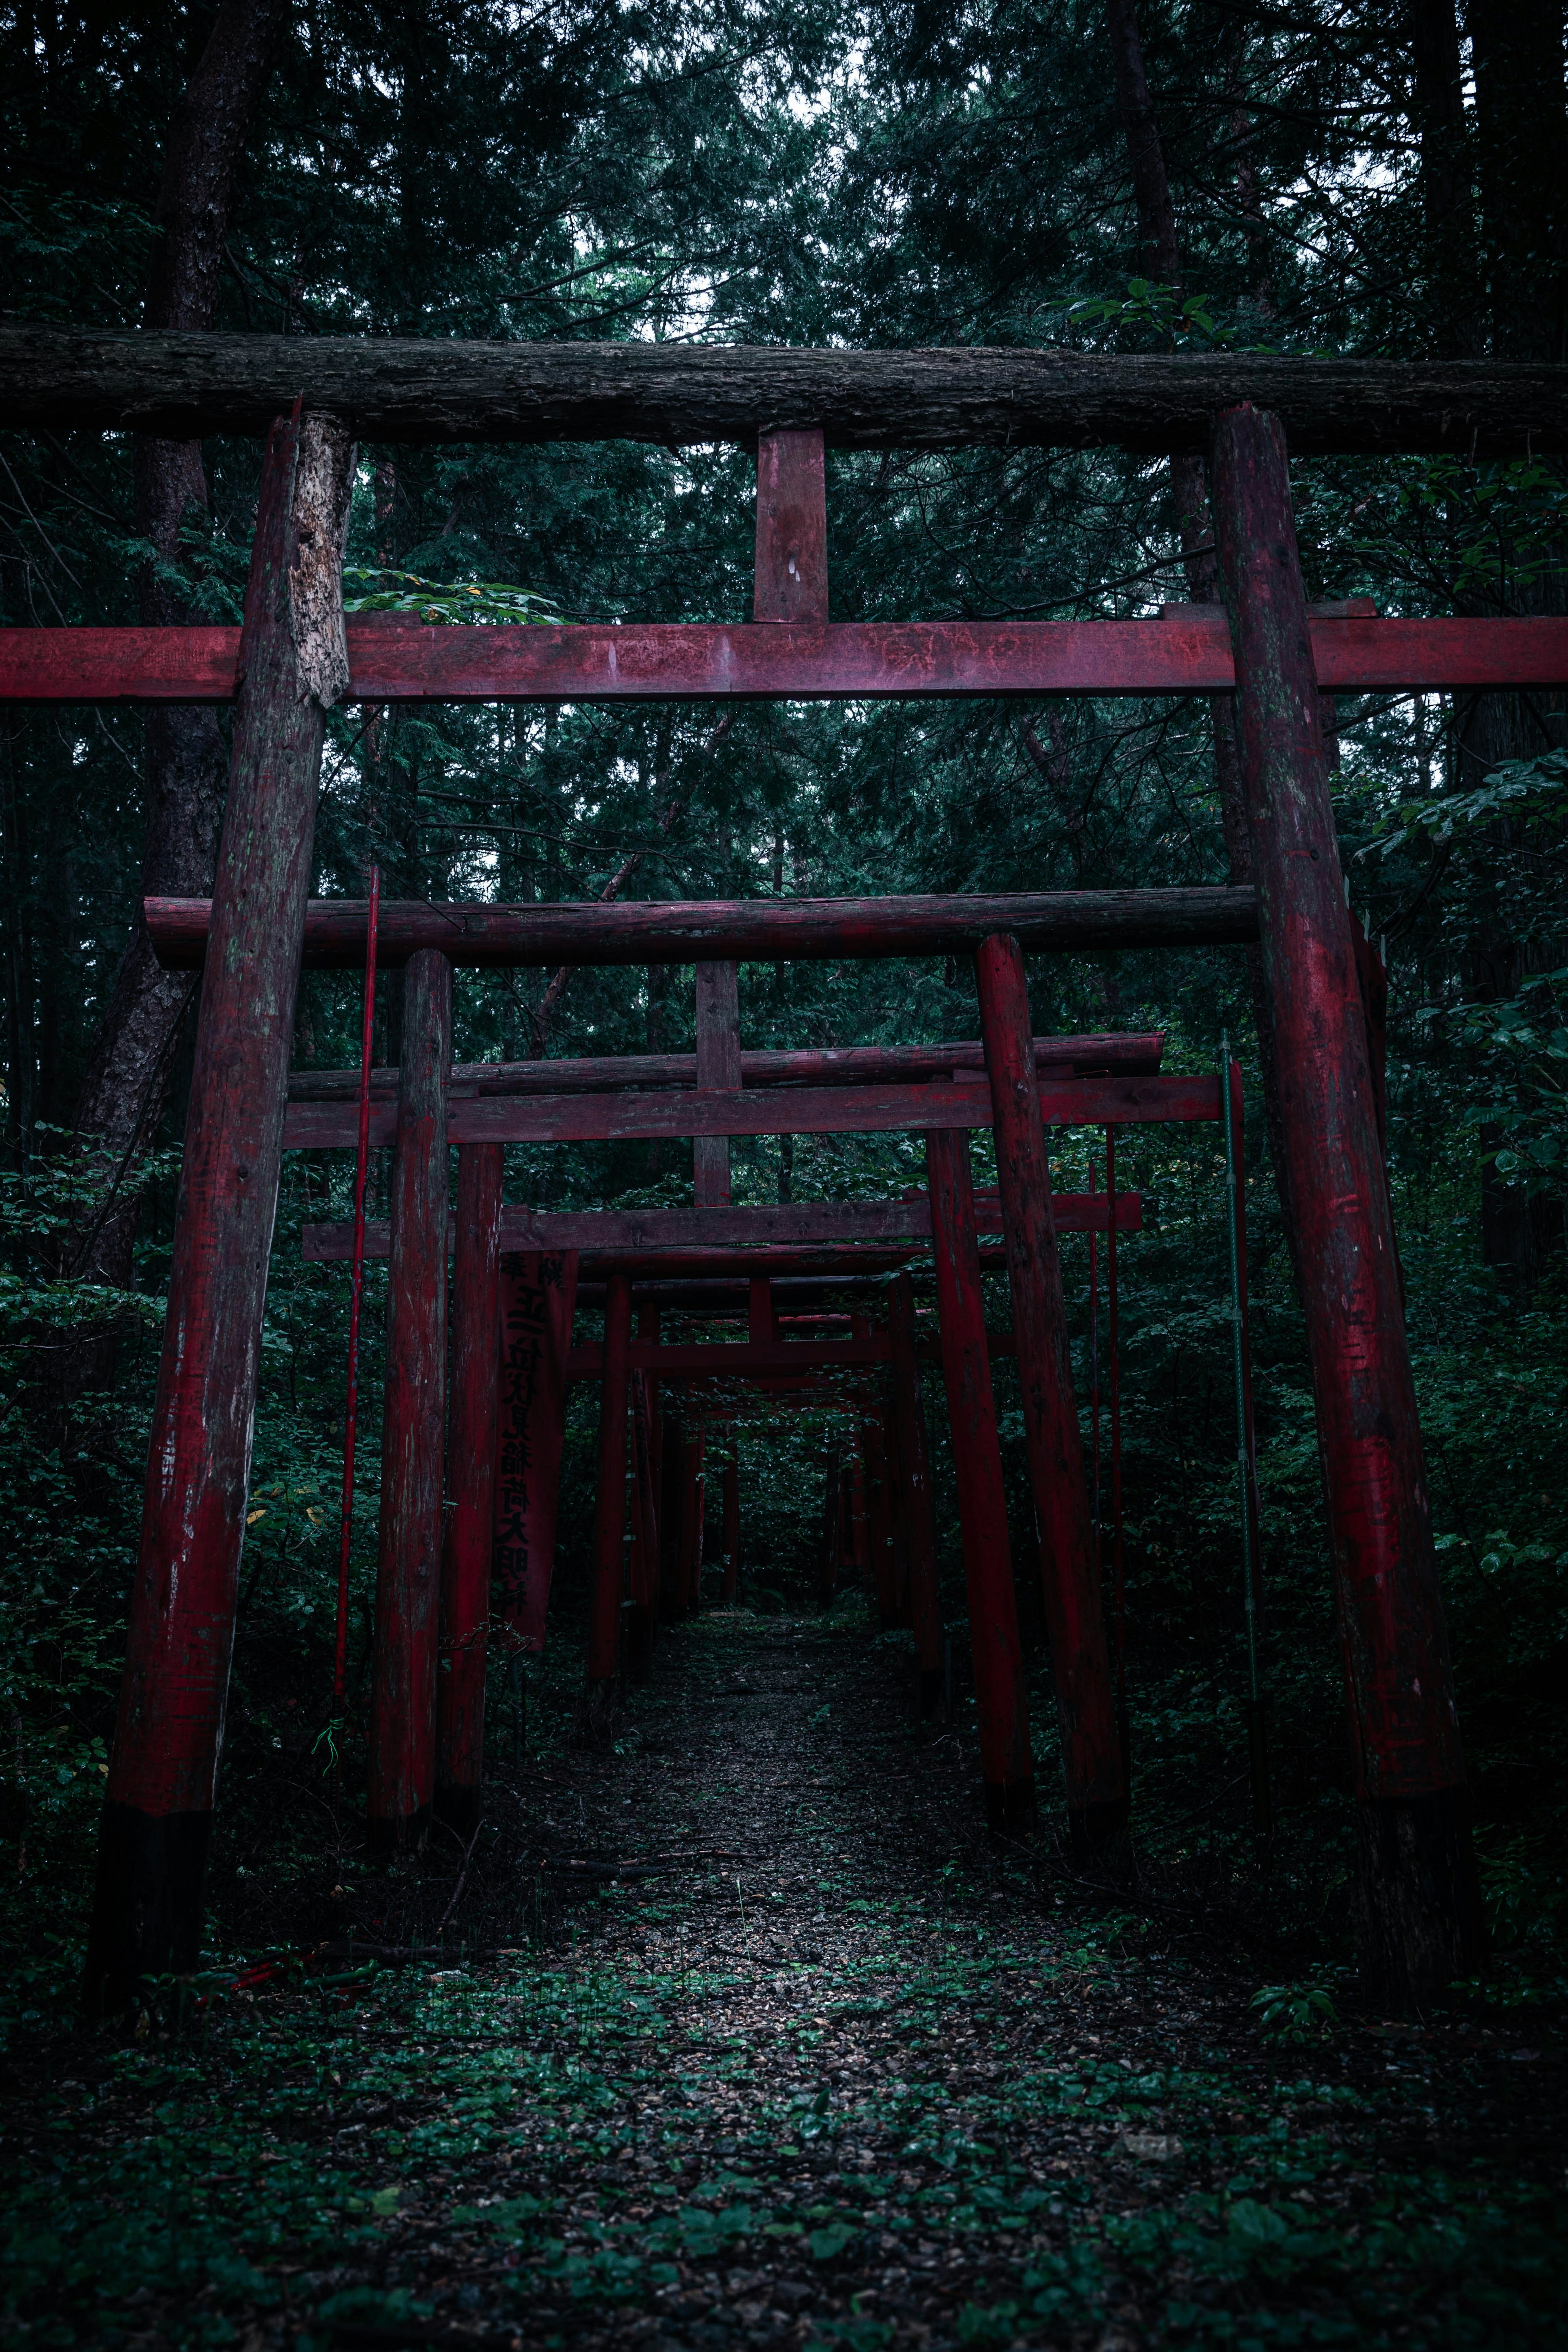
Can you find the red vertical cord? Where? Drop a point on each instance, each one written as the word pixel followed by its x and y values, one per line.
pixel 1094 1366
pixel 362 1163
pixel 1112 1304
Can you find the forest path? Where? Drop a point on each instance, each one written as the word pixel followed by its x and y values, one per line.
pixel 839 2070
pixel 800 2059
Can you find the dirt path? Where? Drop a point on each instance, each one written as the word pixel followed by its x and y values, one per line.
pixel 816 2065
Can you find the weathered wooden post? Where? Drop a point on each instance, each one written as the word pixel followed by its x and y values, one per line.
pixel 915 1478
pixel 470 1532
pixel 731 1513
pixel 719 1065
pixel 671 1517
pixel 643 1617
pixel 610 1515
pixel 1091 1753
pixel 832 1515
pixel 157 1816
pixel 401 1781
pixel 539 1298
pixel 693 1445
pixel 1420 1917
pixel 999 1688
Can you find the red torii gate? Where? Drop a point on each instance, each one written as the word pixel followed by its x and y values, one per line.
pixel 292 659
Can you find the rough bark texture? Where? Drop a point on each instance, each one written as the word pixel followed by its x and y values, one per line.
pixel 1421 1922
pixel 126 1084
pixel 476 935
pixel 431 389
pixel 470 1487
pixel 1096 1795
pixel 148 1908
pixel 999 1688
pixel 400 1784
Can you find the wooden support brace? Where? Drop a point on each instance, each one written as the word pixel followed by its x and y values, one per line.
pixel 718 1065
pixel 1421 1921
pixel 470 1490
pixel 792 529
pixel 153 1838
pixel 400 1783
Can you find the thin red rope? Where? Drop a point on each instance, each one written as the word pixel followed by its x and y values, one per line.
pixel 350 1425
pixel 1112 1302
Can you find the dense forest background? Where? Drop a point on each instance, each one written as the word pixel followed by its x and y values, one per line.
pixel 1340 178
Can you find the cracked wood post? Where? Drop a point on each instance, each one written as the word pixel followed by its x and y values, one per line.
pixel 719 1065
pixel 471 1487
pixel 915 1479
pixel 610 1510
pixel 1420 1923
pixel 999 1689
pixel 1080 1661
pixel 400 1783
pixel 157 1817
pixel 731 1515
pixel 539 1298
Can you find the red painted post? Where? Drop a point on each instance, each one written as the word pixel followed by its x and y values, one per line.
pixel 999 1688
pixel 671 1517
pixel 643 1615
pixel 609 1514
pixel 693 1447
pixel 1096 1794
pixel 1421 1921
pixel 157 1816
pixel 914 1476
pixel 832 1515
pixel 539 1297
pixel 731 1515
pixel 470 1487
pixel 356 1301
pixel 400 1783
pixel 719 1065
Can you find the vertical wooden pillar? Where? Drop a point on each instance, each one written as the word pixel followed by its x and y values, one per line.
pixel 672 1518
pixel 402 1778
pixel 1420 1915
pixel 470 1487
pixel 539 1297
pixel 915 1483
pixel 692 1444
pixel 157 1816
pixel 609 1514
pixel 719 1065
pixel 731 1513
pixel 833 1512
pixel 761 1322
pixel 999 1689
pixel 1096 1796
pixel 791 579
pixel 643 1616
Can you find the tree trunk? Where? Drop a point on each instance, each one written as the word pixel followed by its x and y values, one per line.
pixel 126 1084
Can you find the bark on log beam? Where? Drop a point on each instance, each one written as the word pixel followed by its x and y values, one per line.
pixel 436 389
pixel 480 936
pixel 1135 1054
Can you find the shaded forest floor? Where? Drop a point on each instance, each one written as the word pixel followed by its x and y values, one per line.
pixel 742 2033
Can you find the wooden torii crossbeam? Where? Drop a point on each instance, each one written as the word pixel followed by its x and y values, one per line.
pixel 293 660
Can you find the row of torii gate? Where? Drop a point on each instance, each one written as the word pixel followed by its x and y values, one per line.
pixel 292 659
